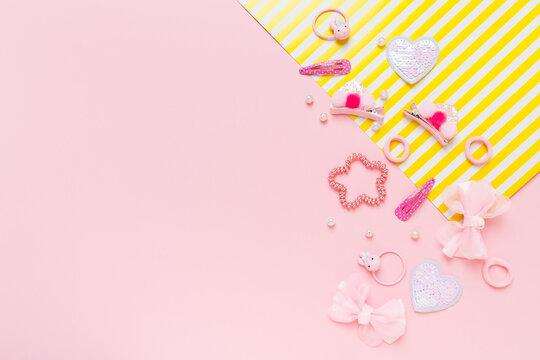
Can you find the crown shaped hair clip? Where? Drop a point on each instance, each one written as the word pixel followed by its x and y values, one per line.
pixel 353 99
pixel 439 119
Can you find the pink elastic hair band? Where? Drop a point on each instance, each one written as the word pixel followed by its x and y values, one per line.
pixel 341 28
pixel 501 263
pixel 405 210
pixel 468 152
pixel 372 263
pixel 406 149
pixel 330 67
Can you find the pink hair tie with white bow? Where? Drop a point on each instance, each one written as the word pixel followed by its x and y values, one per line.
pixel 375 325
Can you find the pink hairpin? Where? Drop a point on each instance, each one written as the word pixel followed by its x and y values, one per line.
pixel 331 67
pixel 439 119
pixel 353 99
pixel 405 210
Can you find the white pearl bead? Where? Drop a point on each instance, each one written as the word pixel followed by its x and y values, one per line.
pixel 381 41
pixel 376 126
pixel 384 95
pixel 369 233
pixel 309 99
pixel 415 235
pixel 331 222
pixel 323 117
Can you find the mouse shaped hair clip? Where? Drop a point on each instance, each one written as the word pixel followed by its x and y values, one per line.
pixel 439 119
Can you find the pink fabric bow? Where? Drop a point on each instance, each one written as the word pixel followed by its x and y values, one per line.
pixel 386 323
pixel 477 201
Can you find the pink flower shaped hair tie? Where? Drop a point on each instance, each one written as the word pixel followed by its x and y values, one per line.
pixel 439 119
pixel 363 197
pixel 353 99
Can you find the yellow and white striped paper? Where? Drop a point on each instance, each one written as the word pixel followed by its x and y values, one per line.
pixel 487 68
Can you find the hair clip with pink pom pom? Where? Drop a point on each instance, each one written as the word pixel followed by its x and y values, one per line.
pixel 439 119
pixel 353 99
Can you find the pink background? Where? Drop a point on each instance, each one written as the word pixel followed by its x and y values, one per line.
pixel 163 196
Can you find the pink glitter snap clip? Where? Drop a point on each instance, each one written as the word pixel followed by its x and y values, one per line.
pixel 405 210
pixel 330 67
pixel 431 290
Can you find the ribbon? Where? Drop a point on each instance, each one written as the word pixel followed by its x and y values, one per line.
pixel 477 201
pixel 375 325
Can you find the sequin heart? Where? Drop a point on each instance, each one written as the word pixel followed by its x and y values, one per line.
pixel 431 290
pixel 412 60
pixel 377 165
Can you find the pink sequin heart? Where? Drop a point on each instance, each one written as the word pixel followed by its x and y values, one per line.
pixel 412 60
pixel 431 290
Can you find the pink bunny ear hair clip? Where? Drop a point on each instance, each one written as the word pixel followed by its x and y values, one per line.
pixel 330 67
pixel 353 99
pixel 439 119
pixel 405 210
pixel 375 325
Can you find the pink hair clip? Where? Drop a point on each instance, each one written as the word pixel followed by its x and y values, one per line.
pixel 375 325
pixel 372 263
pixel 340 26
pixel 353 99
pixel 330 67
pixel 405 210
pixel 439 119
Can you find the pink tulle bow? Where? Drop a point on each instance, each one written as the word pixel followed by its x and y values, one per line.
pixel 477 201
pixel 375 325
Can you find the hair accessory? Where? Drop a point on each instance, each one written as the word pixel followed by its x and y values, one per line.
pixel 405 210
pixel 431 290
pixel 477 201
pixel 375 325
pixel 439 119
pixel 412 60
pixel 353 99
pixel 361 198
pixel 468 153
pixel 332 67
pixel 372 263
pixel 501 263
pixel 406 149
pixel 339 26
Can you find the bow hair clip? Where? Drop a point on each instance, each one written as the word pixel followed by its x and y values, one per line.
pixel 375 325
pixel 353 99
pixel 476 200
pixel 439 119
